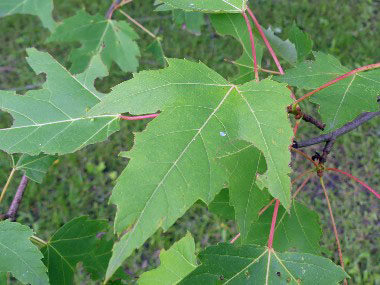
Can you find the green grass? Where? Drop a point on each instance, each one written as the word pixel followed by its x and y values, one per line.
pixel 80 184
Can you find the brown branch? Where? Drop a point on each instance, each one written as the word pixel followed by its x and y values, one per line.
pixel 361 119
pixel 12 212
pixel 326 150
pixel 298 114
pixel 112 8
pixel 311 120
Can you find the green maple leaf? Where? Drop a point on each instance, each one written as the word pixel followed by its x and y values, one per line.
pixel 244 163
pixel 235 26
pixel 249 264
pixel 193 21
pixel 298 230
pixel 35 167
pixel 54 119
pixel 41 8
pixel 19 256
pixel 73 242
pixel 177 262
pixel 208 6
pixel 283 48
pixel 302 42
pixel 341 102
pixel 155 48
pixel 115 41
pixel 221 205
pixel 172 163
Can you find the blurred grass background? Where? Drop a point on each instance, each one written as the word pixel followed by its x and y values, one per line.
pixel 80 184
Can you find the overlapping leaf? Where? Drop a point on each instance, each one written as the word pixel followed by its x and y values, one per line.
pixel 208 6
pixel 201 112
pixel 343 101
pixel 192 21
pixel 96 261
pixel 19 256
pixel 253 265
pixel 177 262
pixel 115 41
pixel 35 167
pixel 283 48
pixel 302 41
pixel 41 8
pixel 298 230
pixel 54 119
pixel 72 243
pixel 155 48
pixel 244 163
pixel 234 25
pixel 221 205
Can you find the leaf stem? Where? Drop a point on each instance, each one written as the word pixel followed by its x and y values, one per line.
pixel 333 223
pixel 302 185
pixel 269 47
pixel 37 240
pixel 7 184
pixel 138 24
pixel 360 69
pixel 357 180
pixel 272 227
pixel 136 118
pixel 271 51
pixel 295 129
pixel 294 180
pixel 255 68
pixel 235 238
pixel 304 155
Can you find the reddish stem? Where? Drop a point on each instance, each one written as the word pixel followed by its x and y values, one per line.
pixel 273 54
pixel 235 238
pixel 271 51
pixel 135 118
pixel 252 46
pixel 304 155
pixel 302 185
pixel 360 69
pixel 294 181
pixel 357 180
pixel 295 129
pixel 333 223
pixel 272 201
pixel 272 227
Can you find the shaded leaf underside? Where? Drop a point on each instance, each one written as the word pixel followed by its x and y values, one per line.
pixel 250 264
pixel 299 229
